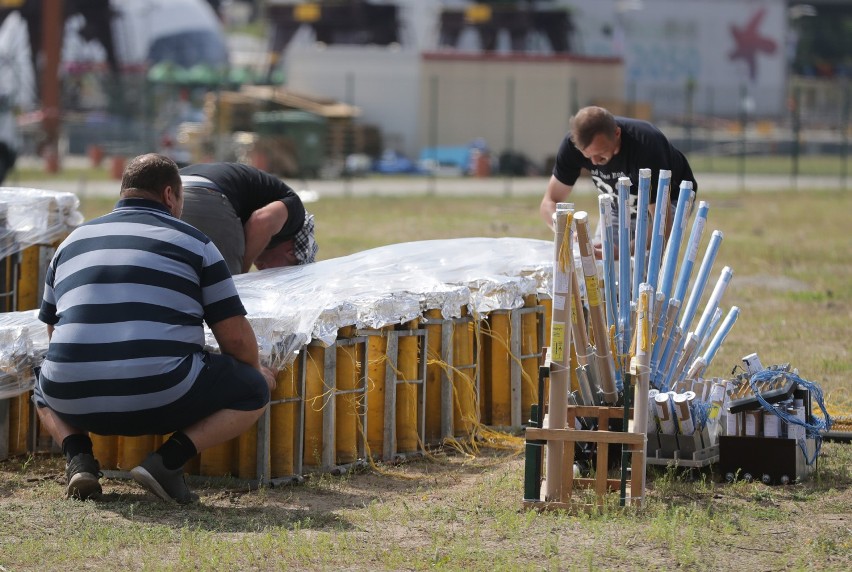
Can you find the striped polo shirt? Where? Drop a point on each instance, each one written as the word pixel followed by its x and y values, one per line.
pixel 127 294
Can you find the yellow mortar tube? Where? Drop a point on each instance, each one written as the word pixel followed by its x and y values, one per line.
pixel 377 348
pixel 19 415
pixel 464 389
pixel 346 407
pixel 485 398
pixel 105 449
pixel 529 347
pixel 219 460
pixel 282 418
pixel 547 303
pixel 28 279
pixel 499 382
pixel 407 439
pixel 7 266
pixel 193 466
pixel 315 399
pixel 133 450
pixel 247 453
pixel 434 371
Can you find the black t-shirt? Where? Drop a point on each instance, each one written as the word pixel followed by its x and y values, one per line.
pixel 643 146
pixel 249 189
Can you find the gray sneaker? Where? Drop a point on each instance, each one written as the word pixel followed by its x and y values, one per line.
pixel 167 484
pixel 81 477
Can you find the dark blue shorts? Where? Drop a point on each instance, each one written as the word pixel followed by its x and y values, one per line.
pixel 224 383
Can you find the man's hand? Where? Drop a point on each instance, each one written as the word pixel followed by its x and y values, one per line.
pixel 271 376
pixel 598 248
pixel 556 192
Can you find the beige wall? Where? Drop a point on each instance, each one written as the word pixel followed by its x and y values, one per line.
pixel 464 97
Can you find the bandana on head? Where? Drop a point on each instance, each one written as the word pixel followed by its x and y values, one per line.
pixel 303 242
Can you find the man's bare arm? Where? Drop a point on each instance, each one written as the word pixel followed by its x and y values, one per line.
pixel 260 227
pixel 557 192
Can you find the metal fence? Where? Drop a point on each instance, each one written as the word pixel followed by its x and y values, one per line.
pixel 723 128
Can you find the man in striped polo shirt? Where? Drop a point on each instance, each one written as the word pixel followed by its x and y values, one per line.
pixel 125 299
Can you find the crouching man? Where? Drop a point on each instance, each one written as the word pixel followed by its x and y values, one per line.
pixel 125 299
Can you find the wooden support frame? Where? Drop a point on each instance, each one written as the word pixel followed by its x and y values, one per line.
pixel 636 443
pixel 264 433
pixel 392 380
pixel 515 367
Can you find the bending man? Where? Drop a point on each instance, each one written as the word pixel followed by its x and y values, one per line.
pixel 611 147
pixel 251 216
pixel 124 301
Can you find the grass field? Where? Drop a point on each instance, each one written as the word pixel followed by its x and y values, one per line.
pixel 825 165
pixel 790 253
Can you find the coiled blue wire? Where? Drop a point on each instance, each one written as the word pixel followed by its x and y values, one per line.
pixel 813 427
pixel 701 411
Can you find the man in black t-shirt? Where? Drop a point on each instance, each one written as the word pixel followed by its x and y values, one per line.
pixel 252 217
pixel 611 147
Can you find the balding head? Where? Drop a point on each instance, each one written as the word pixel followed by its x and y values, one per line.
pixel 155 177
pixel 150 174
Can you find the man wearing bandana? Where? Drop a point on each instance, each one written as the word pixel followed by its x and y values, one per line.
pixel 253 217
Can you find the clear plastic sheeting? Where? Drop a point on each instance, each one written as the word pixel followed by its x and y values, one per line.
pixel 16 361
pixel 289 307
pixel 35 216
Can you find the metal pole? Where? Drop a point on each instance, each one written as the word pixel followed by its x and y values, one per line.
pixel 690 105
pixel 510 132
pixel 52 25
pixel 797 133
pixel 844 135
pixel 710 134
pixel 347 141
pixel 433 132
pixel 575 99
pixel 744 104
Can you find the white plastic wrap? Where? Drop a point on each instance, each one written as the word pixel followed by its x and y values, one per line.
pixel 289 307
pixel 389 285
pixel 16 361
pixel 35 216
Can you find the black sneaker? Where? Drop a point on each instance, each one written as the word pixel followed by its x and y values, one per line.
pixel 167 484
pixel 81 477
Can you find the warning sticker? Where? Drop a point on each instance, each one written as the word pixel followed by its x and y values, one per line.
pixel 557 341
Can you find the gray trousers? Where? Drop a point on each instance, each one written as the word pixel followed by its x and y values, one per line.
pixel 213 214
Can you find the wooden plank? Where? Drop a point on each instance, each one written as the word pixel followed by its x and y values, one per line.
pixel 596 411
pixel 636 474
pixel 601 465
pixel 584 436
pixel 587 483
pixel 567 470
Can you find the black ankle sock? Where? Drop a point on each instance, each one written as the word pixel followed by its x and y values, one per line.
pixel 75 444
pixel 177 450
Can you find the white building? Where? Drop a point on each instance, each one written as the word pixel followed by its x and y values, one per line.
pixel 719 54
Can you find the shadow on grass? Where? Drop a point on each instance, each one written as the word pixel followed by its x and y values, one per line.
pixel 215 517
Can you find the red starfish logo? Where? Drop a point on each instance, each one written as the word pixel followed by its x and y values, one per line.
pixel 750 42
